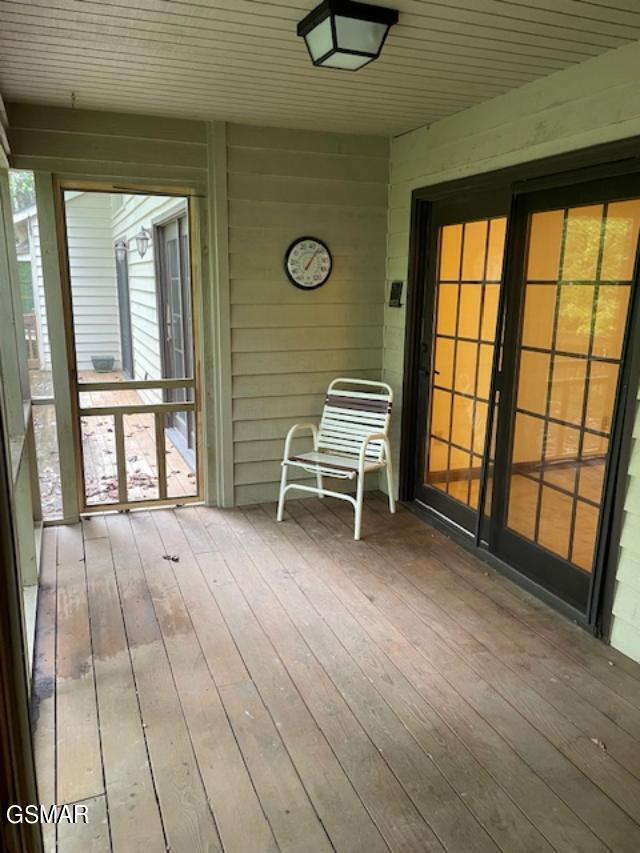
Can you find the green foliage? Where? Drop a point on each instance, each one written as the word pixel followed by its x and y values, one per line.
pixel 26 286
pixel 23 193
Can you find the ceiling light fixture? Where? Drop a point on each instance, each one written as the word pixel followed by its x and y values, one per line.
pixel 345 34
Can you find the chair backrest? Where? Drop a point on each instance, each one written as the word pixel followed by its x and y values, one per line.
pixel 350 415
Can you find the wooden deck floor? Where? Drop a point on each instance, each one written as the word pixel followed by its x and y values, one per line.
pixel 283 688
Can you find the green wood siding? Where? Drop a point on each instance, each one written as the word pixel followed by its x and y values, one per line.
pixel 286 344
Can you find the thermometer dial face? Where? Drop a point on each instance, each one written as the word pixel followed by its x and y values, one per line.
pixel 307 263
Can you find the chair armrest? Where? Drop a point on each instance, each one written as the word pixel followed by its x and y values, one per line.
pixel 296 428
pixel 375 436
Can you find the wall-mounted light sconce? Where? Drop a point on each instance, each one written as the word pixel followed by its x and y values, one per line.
pixel 142 238
pixel 345 34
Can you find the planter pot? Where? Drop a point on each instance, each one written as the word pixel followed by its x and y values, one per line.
pixel 102 363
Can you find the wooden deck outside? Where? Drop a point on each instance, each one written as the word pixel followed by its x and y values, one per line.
pixel 101 475
pixel 209 680
pixel 99 449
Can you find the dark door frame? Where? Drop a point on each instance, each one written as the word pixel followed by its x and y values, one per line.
pixel 176 215
pixel 475 205
pixel 608 160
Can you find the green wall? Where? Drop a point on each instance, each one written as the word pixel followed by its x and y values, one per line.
pixel 595 102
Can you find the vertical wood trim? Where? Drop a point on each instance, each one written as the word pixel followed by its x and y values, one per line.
pixel 201 355
pixel 161 456
pixel 219 315
pixel 52 282
pixel 121 458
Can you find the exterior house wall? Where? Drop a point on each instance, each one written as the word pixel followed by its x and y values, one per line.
pixel 595 102
pixel 133 213
pixel 287 344
pixel 93 277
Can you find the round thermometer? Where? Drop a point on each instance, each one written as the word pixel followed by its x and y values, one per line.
pixel 307 263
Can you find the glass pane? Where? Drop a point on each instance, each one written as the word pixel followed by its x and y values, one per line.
pixel 567 389
pixel 465 369
pixel 584 537
pixel 441 414
pixel 545 239
pixel 438 464
pixel 570 349
pixel 470 300
pixel 539 309
pixel 603 382
pixel 447 309
pixel 532 396
pixel 583 232
pixel 610 320
pixel 443 362
pixel 490 311
pixel 461 430
pixel 575 315
pixel 555 521
pixel 450 248
pixel 523 505
pixel 471 256
pixel 475 251
pixel 621 239
pixel 495 257
pixel 485 367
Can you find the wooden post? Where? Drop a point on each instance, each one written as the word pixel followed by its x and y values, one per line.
pixel 57 340
pixel 121 456
pixel 218 318
pixel 161 456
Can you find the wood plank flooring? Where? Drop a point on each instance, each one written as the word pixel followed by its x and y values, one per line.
pixel 210 680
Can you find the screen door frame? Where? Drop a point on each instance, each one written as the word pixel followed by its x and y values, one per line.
pixel 76 387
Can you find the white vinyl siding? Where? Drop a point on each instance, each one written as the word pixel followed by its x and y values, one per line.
pixel 288 344
pixel 136 212
pixel 93 278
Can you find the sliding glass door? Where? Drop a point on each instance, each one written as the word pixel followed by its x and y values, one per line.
pixel 458 348
pixel 571 305
pixel 554 387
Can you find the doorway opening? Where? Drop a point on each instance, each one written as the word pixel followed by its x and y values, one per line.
pixel 131 346
pixel 521 364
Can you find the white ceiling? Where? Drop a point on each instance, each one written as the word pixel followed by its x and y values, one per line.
pixel 241 59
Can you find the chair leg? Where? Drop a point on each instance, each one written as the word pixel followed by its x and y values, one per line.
pixel 319 484
pixel 358 518
pixel 392 497
pixel 283 484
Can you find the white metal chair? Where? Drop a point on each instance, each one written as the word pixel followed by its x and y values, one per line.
pixel 351 441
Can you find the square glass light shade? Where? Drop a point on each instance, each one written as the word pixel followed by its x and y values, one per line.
pixel 359 36
pixel 345 34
